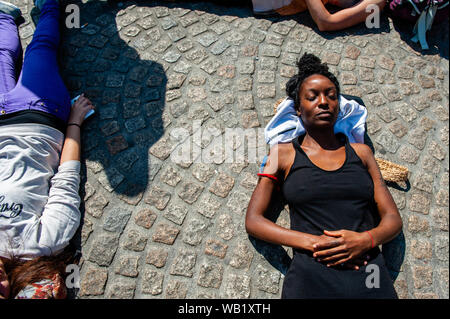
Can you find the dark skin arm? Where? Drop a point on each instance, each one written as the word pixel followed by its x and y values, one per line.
pixel 257 225
pixel 354 244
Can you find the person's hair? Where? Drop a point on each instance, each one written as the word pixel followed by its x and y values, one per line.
pixel 308 65
pixel 22 273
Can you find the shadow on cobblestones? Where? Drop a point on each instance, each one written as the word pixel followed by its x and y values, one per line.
pixel 128 89
pixel 129 92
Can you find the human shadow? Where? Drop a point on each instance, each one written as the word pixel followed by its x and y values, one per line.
pixel 128 91
pixel 115 66
pixel 393 251
pixel 129 95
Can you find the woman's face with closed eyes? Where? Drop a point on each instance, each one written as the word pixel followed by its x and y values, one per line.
pixel 319 103
pixel 4 282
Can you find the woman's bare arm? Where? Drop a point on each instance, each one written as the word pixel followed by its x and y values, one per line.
pixel 257 224
pixel 391 223
pixel 342 19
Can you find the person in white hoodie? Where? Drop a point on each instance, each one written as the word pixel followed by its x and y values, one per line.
pixel 39 162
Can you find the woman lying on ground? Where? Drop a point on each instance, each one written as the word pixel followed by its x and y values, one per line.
pixel 353 11
pixel 336 197
pixel 39 166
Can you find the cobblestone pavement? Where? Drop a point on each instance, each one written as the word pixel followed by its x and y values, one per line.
pixel 153 228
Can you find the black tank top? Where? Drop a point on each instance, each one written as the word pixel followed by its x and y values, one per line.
pixel 331 200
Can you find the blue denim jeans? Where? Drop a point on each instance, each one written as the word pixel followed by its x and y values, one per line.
pixel 39 86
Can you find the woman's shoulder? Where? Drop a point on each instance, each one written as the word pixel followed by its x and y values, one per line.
pixel 281 156
pixel 282 149
pixel 363 151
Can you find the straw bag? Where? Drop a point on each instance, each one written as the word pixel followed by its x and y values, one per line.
pixel 390 172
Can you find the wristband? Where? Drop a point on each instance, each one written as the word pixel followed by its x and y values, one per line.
pixel 74 124
pixel 373 244
pixel 272 177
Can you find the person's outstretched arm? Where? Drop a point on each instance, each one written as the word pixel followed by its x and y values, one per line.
pixel 61 216
pixel 342 19
pixel 72 144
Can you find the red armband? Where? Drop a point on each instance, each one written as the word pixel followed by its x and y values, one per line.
pixel 274 178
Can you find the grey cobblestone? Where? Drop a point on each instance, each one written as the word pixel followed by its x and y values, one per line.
pixel 123 288
pixel 209 205
pixel 184 263
pixel 135 241
pixel 267 280
pixel 128 266
pixel 116 220
pixel 152 282
pixel 195 232
pixel 95 205
pixel 165 234
pixel 237 286
pixel 210 275
pixel 158 198
pixel 176 214
pixel 242 256
pixel 176 290
pixel 190 192
pixel 103 249
pixel 145 218
pixel 225 227
pixel 157 257
pixel 93 281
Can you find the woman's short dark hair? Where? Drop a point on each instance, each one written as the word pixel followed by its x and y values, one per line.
pixel 308 65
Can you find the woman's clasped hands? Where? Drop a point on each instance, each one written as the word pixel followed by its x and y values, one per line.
pixel 343 247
